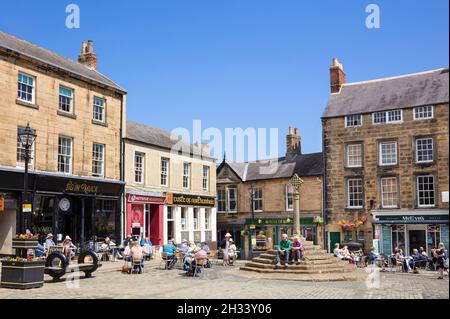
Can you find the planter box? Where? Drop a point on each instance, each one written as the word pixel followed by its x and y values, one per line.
pixel 24 243
pixel 22 275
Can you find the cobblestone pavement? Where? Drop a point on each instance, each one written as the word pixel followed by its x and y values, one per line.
pixel 231 283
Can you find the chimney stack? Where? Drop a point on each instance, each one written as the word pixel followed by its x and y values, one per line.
pixel 337 76
pixel 293 144
pixel 88 56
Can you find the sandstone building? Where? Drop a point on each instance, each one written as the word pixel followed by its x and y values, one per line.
pixel 273 207
pixel 386 148
pixel 171 187
pixel 78 115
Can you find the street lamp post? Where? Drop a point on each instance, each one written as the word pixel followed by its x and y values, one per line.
pixel 27 137
pixel 295 182
pixel 252 190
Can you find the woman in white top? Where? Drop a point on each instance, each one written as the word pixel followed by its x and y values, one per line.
pixel 232 251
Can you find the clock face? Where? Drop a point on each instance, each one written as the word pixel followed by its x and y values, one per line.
pixel 64 204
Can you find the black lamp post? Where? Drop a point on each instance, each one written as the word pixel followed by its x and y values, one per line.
pixel 252 190
pixel 27 137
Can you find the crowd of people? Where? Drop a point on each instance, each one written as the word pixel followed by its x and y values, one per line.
pixel 419 258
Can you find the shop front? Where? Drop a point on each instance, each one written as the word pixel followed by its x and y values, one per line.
pixel 145 215
pixel 265 233
pixel 86 209
pixel 190 217
pixel 411 231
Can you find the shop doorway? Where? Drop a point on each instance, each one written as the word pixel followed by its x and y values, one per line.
pixel 416 239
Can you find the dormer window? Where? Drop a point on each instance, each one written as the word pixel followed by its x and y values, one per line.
pixel 393 116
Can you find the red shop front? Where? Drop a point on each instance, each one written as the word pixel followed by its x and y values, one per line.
pixel 145 217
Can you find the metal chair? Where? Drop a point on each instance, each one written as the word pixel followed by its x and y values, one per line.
pixel 166 260
pixel 137 264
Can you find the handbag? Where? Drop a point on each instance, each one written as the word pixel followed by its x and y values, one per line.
pixel 125 268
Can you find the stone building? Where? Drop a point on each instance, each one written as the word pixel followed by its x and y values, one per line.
pixel 273 205
pixel 78 115
pixel 386 145
pixel 171 187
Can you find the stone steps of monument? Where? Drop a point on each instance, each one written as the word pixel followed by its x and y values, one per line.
pixel 308 256
pixel 291 270
pixel 327 261
pixel 324 267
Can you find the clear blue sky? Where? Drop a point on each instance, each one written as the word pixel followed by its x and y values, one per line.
pixel 238 63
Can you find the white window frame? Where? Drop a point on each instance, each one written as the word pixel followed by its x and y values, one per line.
pixel 95 113
pixel 418 191
pixel 417 149
pixel 71 97
pixel 205 178
pixel 348 192
pixel 186 175
pixel 99 160
pixel 423 112
pixel 223 191
pixel 165 172
pixel 208 219
pixel 386 117
pixel 69 157
pixel 235 199
pixel 289 193
pixel 255 199
pixel 33 88
pixel 351 115
pixel 347 154
pixel 380 153
pixel 391 192
pixel 139 170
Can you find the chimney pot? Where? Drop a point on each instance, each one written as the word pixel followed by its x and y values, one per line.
pixel 88 56
pixel 290 130
pixel 296 131
pixel 337 76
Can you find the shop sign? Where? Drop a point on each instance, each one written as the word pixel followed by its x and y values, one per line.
pixel 26 208
pixel 133 198
pixel 2 203
pixel 412 219
pixel 81 188
pixel 192 200
pixel 278 221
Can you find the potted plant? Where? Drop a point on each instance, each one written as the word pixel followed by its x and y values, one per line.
pixel 23 271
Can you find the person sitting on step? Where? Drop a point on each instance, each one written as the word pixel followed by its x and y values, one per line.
pixel 284 249
pixel 298 249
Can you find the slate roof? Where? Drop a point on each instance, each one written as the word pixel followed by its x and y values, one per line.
pixel 302 165
pixel 405 91
pixel 10 42
pixel 155 136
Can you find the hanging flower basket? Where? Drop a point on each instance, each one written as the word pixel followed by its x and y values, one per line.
pixel 318 220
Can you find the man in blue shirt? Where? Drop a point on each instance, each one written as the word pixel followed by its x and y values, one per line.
pixel 170 250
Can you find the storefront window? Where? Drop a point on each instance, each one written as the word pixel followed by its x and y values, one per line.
pixel 105 219
pixel 184 221
pixel 261 239
pixel 398 237
pixel 196 219
pixel 348 236
pixel 433 237
pixel 42 218
pixel 207 218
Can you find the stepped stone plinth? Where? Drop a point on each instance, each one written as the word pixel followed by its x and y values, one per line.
pixel 316 261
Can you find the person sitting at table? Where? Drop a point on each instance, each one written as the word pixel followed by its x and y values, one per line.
pixel 377 259
pixel 400 257
pixel 416 260
pixel 190 260
pixel 297 249
pixel 69 247
pixel 137 255
pixel 205 247
pixel 170 249
pixel 184 245
pixel 49 242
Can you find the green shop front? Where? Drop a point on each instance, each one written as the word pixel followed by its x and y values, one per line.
pixel 262 234
pixel 411 231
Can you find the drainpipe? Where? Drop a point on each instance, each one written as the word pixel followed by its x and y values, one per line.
pixel 324 187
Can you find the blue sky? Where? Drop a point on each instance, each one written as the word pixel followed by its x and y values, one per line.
pixel 238 63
